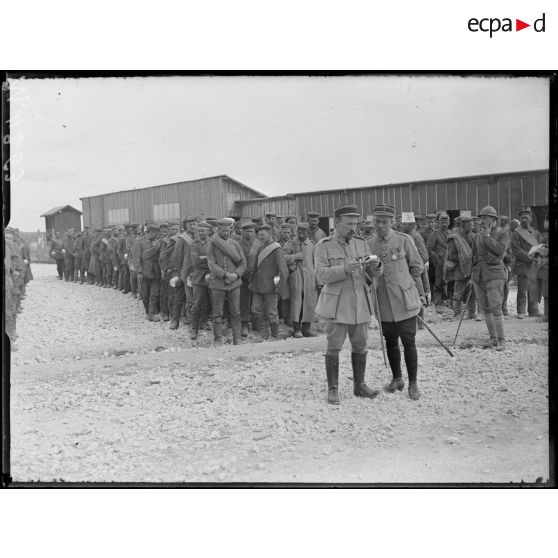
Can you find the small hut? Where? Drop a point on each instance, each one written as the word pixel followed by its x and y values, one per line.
pixel 62 218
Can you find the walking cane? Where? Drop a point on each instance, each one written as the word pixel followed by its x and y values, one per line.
pixel 433 334
pixel 377 312
pixel 462 314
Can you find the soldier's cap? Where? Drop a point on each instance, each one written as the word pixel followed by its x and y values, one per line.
pixel 204 225
pixel 408 217
pixel 225 222
pixel 121 228
pixel 263 228
pixel 504 218
pixel 270 214
pixel 419 218
pixel 248 225
pixel 135 224
pixel 151 227
pixel 286 227
pixel 347 210
pixel 524 209
pixel 189 220
pixel 431 217
pixel 96 230
pixel 368 224
pixel 303 226
pixel 163 225
pixel 383 210
pixel 312 214
pixel 210 218
pixel 443 216
pixel 464 219
pixel 289 217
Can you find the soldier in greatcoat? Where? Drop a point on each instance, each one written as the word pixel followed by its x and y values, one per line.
pixel 249 244
pixel 199 277
pixel 268 282
pixel 345 301
pixel 227 265
pixel 437 246
pixel 56 247
pixel 299 255
pixel 146 264
pixel 68 251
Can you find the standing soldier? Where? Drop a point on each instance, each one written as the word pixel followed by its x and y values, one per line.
pixel 124 252
pixel 522 240
pixel 56 247
pixel 408 227
pixel 315 234
pixel 460 264
pixel 400 296
pixel 172 275
pixel 249 245
pixel 182 245
pixel 164 256
pixel 345 301
pixel 271 220
pixel 87 237
pixel 78 254
pixel 133 240
pixel 489 274
pixel 117 233
pixel 94 263
pixel 67 250
pixel 227 265
pixel 437 246
pixel 145 258
pixel 23 247
pixel 11 292
pixel 269 263
pixel 198 278
pixel 104 258
pixel 299 256
pixel 538 276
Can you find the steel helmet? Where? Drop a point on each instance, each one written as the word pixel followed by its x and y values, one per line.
pixel 488 211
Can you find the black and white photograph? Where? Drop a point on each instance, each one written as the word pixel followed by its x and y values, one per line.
pixel 290 279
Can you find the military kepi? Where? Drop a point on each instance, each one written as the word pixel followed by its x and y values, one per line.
pixel 347 210
pixel 383 210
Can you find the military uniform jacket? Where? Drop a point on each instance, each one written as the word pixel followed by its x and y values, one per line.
pixel 437 245
pixel 250 250
pixel 68 246
pixel 459 268
pixel 165 258
pixel 262 280
pixel 220 264
pixel 520 248
pixel 400 287
pixel 121 250
pixel 199 263
pixel 489 250
pixel 316 235
pixel 56 247
pixel 145 258
pixel 182 243
pixel 345 297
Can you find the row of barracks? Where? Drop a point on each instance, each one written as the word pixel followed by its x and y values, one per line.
pixel 224 196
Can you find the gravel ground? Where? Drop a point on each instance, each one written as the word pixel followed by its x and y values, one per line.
pixel 100 394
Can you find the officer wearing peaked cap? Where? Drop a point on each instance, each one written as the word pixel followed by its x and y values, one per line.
pixel 345 301
pixel 400 296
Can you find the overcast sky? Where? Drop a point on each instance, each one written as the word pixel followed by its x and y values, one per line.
pixel 74 138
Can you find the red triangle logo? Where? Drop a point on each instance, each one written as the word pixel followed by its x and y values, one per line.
pixel 519 25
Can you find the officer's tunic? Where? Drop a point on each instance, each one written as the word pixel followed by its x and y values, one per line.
pixel 345 297
pixel 400 287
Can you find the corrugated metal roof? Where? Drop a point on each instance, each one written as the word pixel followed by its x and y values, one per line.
pixel 59 208
pixel 181 182
pixel 395 184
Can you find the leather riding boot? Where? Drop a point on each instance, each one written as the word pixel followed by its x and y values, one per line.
pixel 274 326
pixel 218 331
pixel 297 332
pixel 245 329
pixel 396 384
pixel 175 317
pixel 358 360
pixel 332 373
pixel 306 332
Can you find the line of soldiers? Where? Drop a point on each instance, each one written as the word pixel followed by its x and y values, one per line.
pixel 17 274
pixel 247 275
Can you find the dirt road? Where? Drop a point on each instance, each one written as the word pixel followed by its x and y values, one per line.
pixel 163 410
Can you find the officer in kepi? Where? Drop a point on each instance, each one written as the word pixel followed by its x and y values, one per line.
pixel 400 296
pixel 345 302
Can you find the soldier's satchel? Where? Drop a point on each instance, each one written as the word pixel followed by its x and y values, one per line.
pixel 411 297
